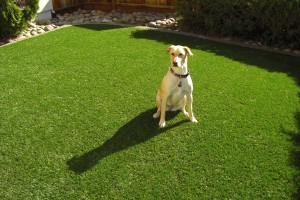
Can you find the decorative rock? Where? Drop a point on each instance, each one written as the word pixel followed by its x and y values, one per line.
pixel 159 22
pixel 22 37
pixel 61 23
pixel 172 19
pixel 84 12
pixel 69 19
pixel 44 22
pixel 40 31
pixel 98 12
pixel 33 33
pixel 93 12
pixel 97 20
pixel 152 24
pixel 296 52
pixel 147 19
pixel 32 25
pixel 48 28
pixel 106 21
pixel 27 34
pixel 124 19
pixel 115 19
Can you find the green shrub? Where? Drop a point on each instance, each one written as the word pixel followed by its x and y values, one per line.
pixel 273 22
pixel 14 18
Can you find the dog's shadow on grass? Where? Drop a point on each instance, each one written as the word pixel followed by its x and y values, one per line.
pixel 140 129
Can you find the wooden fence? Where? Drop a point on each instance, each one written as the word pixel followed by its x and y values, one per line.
pixel 108 5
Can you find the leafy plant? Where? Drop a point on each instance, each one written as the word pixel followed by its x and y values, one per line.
pixel 14 16
pixel 273 22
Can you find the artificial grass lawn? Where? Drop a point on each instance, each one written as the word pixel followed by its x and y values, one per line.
pixel 76 110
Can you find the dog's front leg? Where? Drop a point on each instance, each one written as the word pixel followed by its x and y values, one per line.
pixel 190 108
pixel 158 104
pixel 162 122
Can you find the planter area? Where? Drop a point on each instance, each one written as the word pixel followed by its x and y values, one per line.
pixel 165 21
pixel 156 20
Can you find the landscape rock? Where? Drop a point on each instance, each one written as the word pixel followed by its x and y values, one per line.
pixel 49 28
pixel 33 33
pixel 152 24
pixel 106 21
pixel 41 31
pixel 296 52
pixel 43 22
pixel 27 34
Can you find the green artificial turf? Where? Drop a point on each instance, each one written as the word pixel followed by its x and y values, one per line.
pixel 76 122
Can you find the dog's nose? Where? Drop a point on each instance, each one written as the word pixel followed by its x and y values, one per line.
pixel 175 64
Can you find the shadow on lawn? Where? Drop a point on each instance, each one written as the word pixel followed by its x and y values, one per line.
pixel 96 27
pixel 295 153
pixel 273 62
pixel 140 129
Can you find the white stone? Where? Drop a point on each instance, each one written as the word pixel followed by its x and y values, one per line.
pixel 106 21
pixel 27 34
pixel 44 22
pixel 61 23
pixel 48 28
pixel 33 33
pixel 124 19
pixel 80 20
pixel 21 37
pixel 97 21
pixel 40 31
pixel 32 25
pixel 296 52
pixel 152 24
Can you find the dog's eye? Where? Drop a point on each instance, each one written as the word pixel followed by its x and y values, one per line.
pixel 173 54
pixel 180 54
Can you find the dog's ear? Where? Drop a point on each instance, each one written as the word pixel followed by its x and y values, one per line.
pixel 188 51
pixel 169 48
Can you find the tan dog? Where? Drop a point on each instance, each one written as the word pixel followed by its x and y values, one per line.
pixel 176 87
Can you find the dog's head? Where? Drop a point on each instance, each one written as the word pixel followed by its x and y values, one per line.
pixel 178 55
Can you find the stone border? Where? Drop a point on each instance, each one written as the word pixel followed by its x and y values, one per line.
pixel 156 21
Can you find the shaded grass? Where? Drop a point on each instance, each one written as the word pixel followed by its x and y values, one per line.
pixel 76 111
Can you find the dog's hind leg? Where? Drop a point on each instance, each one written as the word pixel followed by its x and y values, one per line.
pixel 183 104
pixel 190 108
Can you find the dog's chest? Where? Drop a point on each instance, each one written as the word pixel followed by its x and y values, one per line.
pixel 177 93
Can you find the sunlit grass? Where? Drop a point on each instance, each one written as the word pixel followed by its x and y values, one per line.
pixel 76 110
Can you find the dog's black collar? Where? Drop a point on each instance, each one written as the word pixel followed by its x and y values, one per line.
pixel 179 75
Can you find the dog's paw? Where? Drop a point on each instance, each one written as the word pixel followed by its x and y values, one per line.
pixel 185 113
pixel 162 124
pixel 156 115
pixel 194 120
